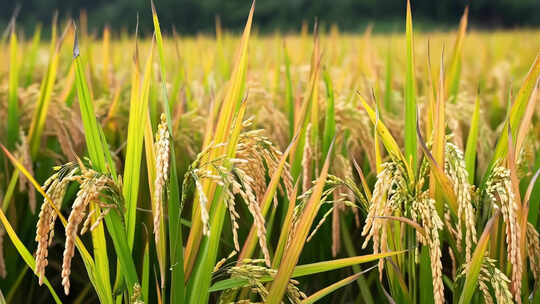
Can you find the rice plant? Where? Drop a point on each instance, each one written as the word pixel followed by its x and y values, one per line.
pixel 321 167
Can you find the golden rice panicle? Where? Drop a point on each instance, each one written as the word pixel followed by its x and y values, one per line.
pixel 245 191
pixel 234 216
pixel 254 272
pixel 221 262
pixel 388 195
pixel 203 202
pixel 92 183
pixel 76 216
pixel 456 170
pixel 256 158
pixel 58 190
pixel 42 234
pixel 136 296
pixel 55 186
pixel 499 190
pixel 425 211
pixel 261 158
pixel 533 250
pixel 492 276
pixel 162 147
pixel 382 186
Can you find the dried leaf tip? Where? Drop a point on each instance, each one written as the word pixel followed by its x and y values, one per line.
pixel 153 7
pixel 76 51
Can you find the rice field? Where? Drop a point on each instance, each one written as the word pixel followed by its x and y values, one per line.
pixel 281 168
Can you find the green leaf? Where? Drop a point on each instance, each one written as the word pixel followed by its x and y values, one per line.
pixel 145 277
pixel 100 156
pixel 410 95
pixel 31 62
pixel 516 112
pixel 45 95
pixel 388 80
pixel 292 253
pixel 13 83
pixel 327 290
pixel 289 97
pixel 330 119
pixel 175 229
pixel 137 111
pixel 454 73
pixel 472 142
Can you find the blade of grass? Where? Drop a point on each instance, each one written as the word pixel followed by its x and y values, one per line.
pixel 100 156
pixel 230 105
pixel 454 72
pixel 441 177
pixel 439 141
pixel 137 111
pixel 314 138
pixel 388 79
pixel 329 118
pixel 105 80
pixel 302 119
pixel 328 290
pixel 94 146
pixel 388 141
pixel 289 96
pixel 45 95
pixel 202 273
pixel 286 227
pixel 527 119
pixel 176 257
pixel 517 111
pixel 145 278
pixel 410 95
pixel 472 141
pixel 292 253
pixel 13 84
pixel 31 62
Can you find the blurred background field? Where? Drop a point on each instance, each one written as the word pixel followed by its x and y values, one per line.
pixel 192 16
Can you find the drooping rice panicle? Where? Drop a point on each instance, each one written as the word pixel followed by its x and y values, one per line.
pixel 500 191
pixel 425 212
pixel 388 195
pixel 492 278
pixel 55 186
pixel 91 190
pixel 533 250
pixel 455 168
